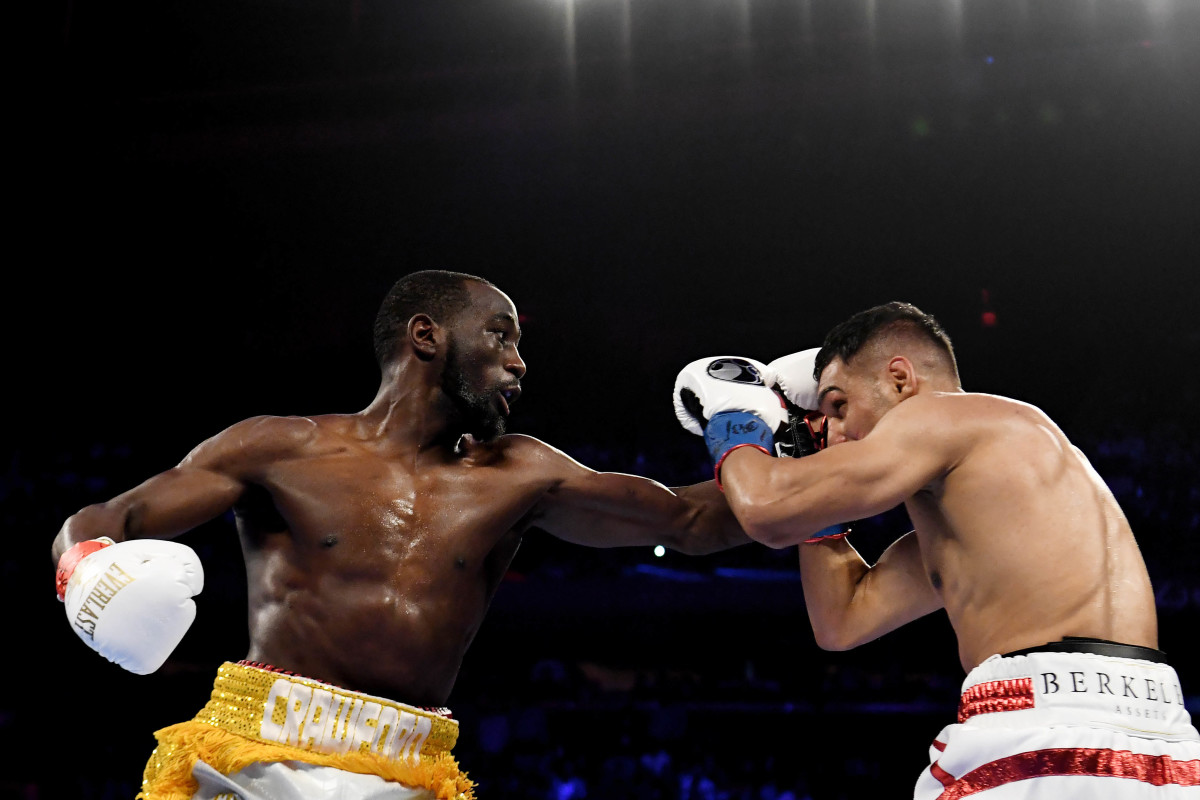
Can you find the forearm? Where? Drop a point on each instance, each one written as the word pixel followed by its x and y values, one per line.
pixel 830 573
pixel 162 507
pixel 91 522
pixel 778 502
pixel 609 509
pixel 784 501
pixel 710 525
pixel 851 602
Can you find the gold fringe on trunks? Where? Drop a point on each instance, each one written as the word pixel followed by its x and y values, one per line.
pixel 168 774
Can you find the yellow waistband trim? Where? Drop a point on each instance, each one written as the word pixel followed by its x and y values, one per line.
pixel 276 708
pixel 256 715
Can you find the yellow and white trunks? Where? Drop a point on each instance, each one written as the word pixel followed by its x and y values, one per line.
pixel 257 715
pixel 1094 723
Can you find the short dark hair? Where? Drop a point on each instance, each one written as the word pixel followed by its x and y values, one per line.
pixel 849 337
pixel 437 292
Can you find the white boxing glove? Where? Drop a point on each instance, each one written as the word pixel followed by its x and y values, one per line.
pixel 130 601
pixel 793 375
pixel 710 386
pixel 728 401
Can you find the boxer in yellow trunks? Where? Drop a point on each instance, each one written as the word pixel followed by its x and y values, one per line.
pixel 1016 538
pixel 373 542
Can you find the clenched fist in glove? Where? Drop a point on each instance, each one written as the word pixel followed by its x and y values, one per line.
pixel 793 378
pixel 729 401
pixel 130 601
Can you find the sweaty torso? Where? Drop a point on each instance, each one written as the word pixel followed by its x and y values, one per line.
pixel 373 570
pixel 1024 541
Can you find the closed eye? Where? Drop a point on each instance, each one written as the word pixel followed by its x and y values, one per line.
pixel 836 406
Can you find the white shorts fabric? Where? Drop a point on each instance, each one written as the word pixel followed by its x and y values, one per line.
pixel 295 780
pixel 1066 725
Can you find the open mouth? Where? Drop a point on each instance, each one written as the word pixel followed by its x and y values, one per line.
pixel 507 398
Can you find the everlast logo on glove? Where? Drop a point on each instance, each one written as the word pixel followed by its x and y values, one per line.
pixel 735 370
pixel 105 590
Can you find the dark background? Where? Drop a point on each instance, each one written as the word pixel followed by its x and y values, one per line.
pixel 215 197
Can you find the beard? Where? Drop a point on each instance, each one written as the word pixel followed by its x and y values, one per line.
pixel 476 408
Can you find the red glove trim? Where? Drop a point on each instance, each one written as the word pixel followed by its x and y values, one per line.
pixel 816 539
pixel 818 428
pixel 725 455
pixel 70 559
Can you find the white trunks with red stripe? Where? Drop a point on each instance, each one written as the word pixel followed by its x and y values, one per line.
pixel 1063 725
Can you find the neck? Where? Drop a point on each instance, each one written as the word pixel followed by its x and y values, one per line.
pixel 935 379
pixel 941 383
pixel 411 410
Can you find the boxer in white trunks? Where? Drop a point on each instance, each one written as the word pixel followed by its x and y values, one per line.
pixel 1016 537
pixel 373 543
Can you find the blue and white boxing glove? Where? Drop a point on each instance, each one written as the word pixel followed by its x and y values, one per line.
pixel 728 401
pixel 792 376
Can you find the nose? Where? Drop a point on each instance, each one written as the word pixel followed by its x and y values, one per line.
pixel 515 364
pixel 837 432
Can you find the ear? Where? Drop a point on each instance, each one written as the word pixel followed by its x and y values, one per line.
pixel 902 377
pixel 424 335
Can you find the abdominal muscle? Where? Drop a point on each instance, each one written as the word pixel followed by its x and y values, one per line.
pixel 405 644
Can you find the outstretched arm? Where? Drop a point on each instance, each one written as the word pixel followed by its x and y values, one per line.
pixel 612 509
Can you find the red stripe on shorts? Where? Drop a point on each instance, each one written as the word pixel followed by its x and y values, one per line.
pixel 945 778
pixel 1155 770
pixel 987 698
pixel 936 770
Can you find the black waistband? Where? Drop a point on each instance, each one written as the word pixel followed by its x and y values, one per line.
pixel 1103 647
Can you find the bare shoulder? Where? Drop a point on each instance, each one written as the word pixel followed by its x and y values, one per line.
pixel 526 446
pixel 950 425
pixel 527 456
pixel 520 448
pixel 261 439
pixel 966 409
pixel 964 422
pixel 996 410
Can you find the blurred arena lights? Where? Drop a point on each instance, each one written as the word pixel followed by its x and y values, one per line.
pixel 598 30
pixel 987 316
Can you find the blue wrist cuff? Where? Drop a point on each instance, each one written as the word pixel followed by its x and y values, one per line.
pixel 832 532
pixel 731 429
